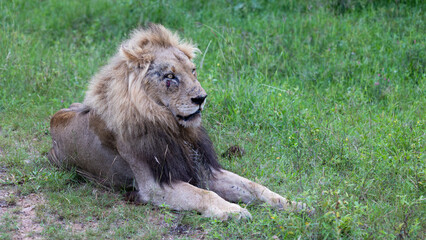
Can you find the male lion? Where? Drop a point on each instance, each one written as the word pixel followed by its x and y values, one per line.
pixel 140 124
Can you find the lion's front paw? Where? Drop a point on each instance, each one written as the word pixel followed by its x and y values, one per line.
pixel 225 213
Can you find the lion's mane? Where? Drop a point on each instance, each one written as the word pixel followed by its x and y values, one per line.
pixel 129 114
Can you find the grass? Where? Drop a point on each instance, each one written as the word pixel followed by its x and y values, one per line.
pixel 326 97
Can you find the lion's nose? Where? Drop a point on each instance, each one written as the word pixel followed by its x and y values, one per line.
pixel 199 100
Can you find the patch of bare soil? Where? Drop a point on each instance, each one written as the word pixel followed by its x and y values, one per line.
pixel 23 208
pixel 29 227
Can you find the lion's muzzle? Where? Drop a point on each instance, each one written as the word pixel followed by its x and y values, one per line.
pixel 191 116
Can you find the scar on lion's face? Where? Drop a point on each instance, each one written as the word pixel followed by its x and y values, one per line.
pixel 176 86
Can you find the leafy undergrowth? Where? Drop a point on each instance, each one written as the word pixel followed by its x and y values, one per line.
pixel 326 97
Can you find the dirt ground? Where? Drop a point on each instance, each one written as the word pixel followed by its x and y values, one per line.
pixel 18 213
pixel 19 219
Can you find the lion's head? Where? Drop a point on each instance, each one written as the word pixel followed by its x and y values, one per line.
pixel 152 78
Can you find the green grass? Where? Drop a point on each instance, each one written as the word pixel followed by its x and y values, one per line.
pixel 327 98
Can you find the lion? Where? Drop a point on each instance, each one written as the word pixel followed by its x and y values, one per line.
pixel 139 127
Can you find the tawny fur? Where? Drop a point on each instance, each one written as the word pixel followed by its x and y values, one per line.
pixel 140 125
pixel 112 92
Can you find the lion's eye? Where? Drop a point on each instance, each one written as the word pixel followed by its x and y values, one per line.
pixel 194 72
pixel 170 76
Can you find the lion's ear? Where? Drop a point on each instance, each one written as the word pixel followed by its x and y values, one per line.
pixel 189 49
pixel 129 53
pixel 135 57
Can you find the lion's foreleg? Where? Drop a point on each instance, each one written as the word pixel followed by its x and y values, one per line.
pixel 183 196
pixel 235 188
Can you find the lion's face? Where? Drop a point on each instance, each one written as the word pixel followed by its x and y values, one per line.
pixel 171 81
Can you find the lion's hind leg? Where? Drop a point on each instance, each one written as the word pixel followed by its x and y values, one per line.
pixel 58 123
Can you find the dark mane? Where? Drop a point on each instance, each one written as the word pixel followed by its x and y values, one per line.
pixel 185 156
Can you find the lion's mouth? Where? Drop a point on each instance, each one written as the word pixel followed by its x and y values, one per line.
pixel 191 116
